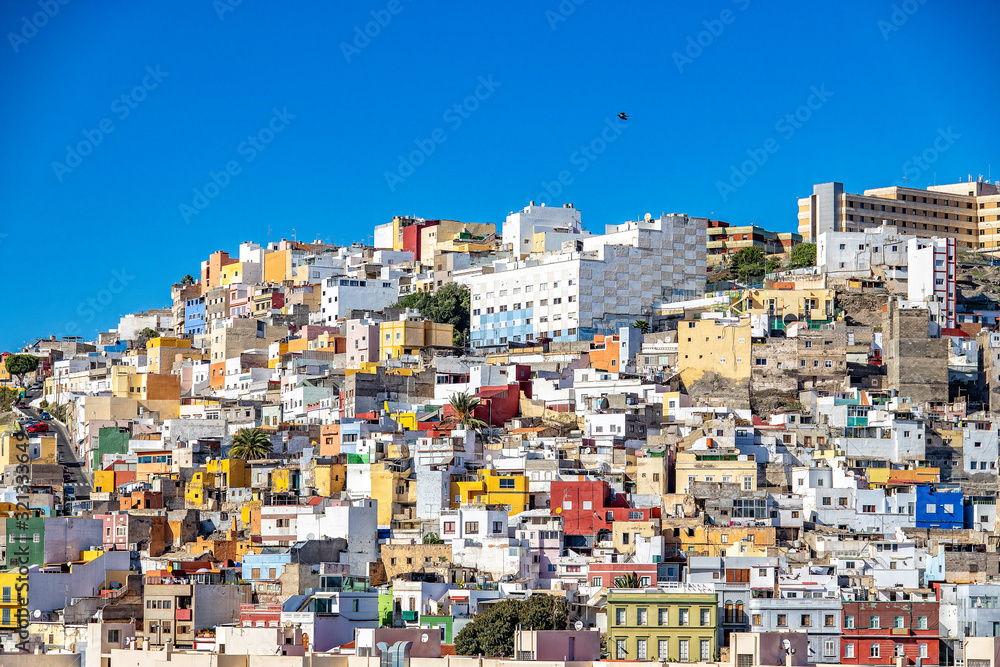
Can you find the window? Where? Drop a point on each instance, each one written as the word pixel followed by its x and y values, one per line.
pixel 805 621
pixel 471 526
pixel 497 526
pixel 829 649
pixel 873 622
pixel 898 622
pixel 931 509
pixel 874 651
pixel 706 617
pixel 640 617
pixel 663 616
pixel 506 483
pixel 897 650
pixel 684 653
pixel 921 622
pixel 620 616
pixel 828 621
pixel 922 650
pixel 849 650
pixel 640 649
pixel 620 652
pixel 662 649
pixel 706 650
pixel 114 636
pixel 747 483
pixel 597 581
pixel 782 621
pixel 684 617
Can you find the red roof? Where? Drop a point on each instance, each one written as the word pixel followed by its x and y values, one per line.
pixel 954 332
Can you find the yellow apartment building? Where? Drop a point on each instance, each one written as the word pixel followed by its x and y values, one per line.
pixel 492 488
pixel 715 464
pixel 410 336
pixel 718 346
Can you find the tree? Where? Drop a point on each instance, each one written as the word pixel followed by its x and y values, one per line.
pixel 804 254
pixel 8 397
pixel 748 263
pixel 464 407
pixel 642 326
pixel 491 633
pixel 19 365
pixel 187 280
pixel 630 580
pixel 250 444
pixel 448 305
pixel 145 336
pixel 432 538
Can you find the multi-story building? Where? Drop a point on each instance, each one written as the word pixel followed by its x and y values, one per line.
pixel 341 295
pixel 724 240
pixel 410 334
pixel 932 271
pixel 521 227
pixel 879 632
pixel 597 286
pixel 858 254
pixel 669 624
pixel 960 211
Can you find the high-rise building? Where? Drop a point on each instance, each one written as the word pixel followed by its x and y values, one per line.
pixel 967 212
pixel 594 285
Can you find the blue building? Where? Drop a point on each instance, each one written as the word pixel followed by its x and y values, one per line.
pixel 939 507
pixel 194 316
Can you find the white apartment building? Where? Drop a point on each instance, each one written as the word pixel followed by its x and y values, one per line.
pixel 520 227
pixel 342 294
pixel 933 265
pixel 608 282
pixel 855 254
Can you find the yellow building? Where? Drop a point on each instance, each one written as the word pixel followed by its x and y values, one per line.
pixel 278 266
pixel 12 601
pixel 492 488
pixel 624 533
pixel 161 352
pixel 651 474
pixel 231 473
pixel 666 625
pixel 717 346
pixel 715 464
pixel 104 481
pixel 194 494
pixel 410 336
pixel 329 479
pixel 783 306
pixel 392 488
pixel 43 450
pixel 156 392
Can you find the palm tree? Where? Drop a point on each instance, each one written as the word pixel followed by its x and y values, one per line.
pixel 630 580
pixel 250 444
pixel 642 326
pixel 464 407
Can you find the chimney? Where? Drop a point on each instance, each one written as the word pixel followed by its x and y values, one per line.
pixel 168 649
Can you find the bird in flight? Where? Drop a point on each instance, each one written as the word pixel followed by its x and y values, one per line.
pixel 623 115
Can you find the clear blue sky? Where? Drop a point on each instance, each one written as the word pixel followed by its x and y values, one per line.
pixel 892 87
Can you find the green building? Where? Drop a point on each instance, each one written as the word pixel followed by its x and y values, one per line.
pixel 110 440
pixel 676 624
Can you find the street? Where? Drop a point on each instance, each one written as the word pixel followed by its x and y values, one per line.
pixel 65 452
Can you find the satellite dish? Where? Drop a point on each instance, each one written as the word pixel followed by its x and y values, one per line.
pixel 489 457
pixel 579 624
pixel 424 638
pixel 647 217
pixel 288 624
pixel 37 613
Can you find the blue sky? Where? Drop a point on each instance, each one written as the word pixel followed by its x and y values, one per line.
pixel 308 124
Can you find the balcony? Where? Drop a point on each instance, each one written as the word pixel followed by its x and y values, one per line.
pixel 411 616
pixel 900 631
pixel 182 615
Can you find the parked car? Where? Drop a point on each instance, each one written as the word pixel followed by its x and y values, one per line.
pixel 37 427
pixel 45 415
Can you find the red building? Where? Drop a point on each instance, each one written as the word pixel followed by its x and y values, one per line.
pixel 590 506
pixel 496 404
pixel 879 633
pixel 604 574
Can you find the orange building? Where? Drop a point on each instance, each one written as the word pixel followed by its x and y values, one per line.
pixel 211 270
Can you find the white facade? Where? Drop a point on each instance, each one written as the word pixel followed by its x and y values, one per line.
pixel 356 522
pixel 932 270
pixel 342 294
pixel 853 254
pixel 616 278
pixel 520 227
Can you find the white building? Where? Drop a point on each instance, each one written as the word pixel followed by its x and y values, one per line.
pixel 607 282
pixel 520 227
pixel 342 294
pixel 356 521
pixel 854 254
pixel 932 270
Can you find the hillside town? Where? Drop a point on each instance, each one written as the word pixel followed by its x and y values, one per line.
pixel 545 439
